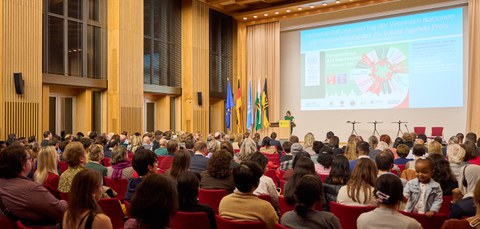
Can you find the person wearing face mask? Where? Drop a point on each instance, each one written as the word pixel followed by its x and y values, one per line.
pixel 21 198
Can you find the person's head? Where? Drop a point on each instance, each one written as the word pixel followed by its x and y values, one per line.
pixel 388 190
pixel 317 146
pixel 273 135
pixel 181 163
pixel 187 186
pixel 453 140
pixel 287 146
pixel 247 176
pixel 296 148
pixel 403 150
pixel 155 201
pixel 407 137
pixel 219 164
pixel 86 142
pixel 15 161
pixel 266 141
pixel 424 169
pixel 144 162
pixel 227 146
pixel 47 134
pixel 471 137
pixel 418 150
pixel 373 141
pixel 340 170
pixel 46 163
pixel 84 194
pixel 172 147
pixel 455 153
pixel 119 154
pixel 200 147
pixel 334 142
pixel 363 148
pixel 92 134
pixel 384 161
pixel 260 159
pixel 397 142
pixel 74 154
pixel 308 140
pixel 423 137
pixel 325 157
pixel 189 144
pixel 471 151
pixel 460 138
pixel 96 153
pixel 329 135
pixel 386 138
pixel 308 192
pixel 382 146
pixel 32 139
pixel 288 113
pixel 363 178
pixel 249 146
pixel 299 155
pixel 294 139
pixel 434 147
pixel 442 171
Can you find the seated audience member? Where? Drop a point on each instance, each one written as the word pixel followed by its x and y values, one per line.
pixel 298 155
pixel 338 177
pixel 249 146
pixel 435 147
pixel 463 197
pixel 46 173
pixel 237 141
pixel 156 141
pixel 266 147
pixel 218 174
pixel 144 162
pixel 418 151
pixel 303 166
pixel 308 192
pixel 373 143
pixel 359 189
pixel 187 186
pixel 153 204
pixel 172 147
pixel 181 163
pixel 443 175
pixel 75 157
pixel 388 194
pixel 96 156
pixel 287 149
pixel 121 166
pixel 334 143
pixel 351 148
pixel 402 151
pixel 423 193
pixel 266 185
pixel 470 222
pixel 324 159
pixel 199 161
pixel 83 210
pixel 362 148
pixel 384 162
pixel 189 144
pixel 275 142
pixel 107 150
pixel 21 197
pixel 308 143
pixel 471 152
pixel 243 204
pixel 135 143
pixel 162 149
pixel 456 156
pixel 317 146
pixel 295 149
pixel 408 140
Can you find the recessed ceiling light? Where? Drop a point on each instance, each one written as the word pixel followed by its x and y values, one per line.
pixel 324 3
pixel 266 15
pixel 244 18
pixel 312 6
pixel 300 8
pixel 276 12
pixel 254 16
pixel 337 1
pixel 288 11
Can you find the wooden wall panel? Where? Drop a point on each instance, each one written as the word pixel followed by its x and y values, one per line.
pixel 217 114
pixel 195 66
pixel 21 51
pixel 125 65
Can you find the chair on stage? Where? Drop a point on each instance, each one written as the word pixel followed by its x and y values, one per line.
pixel 211 197
pixel 223 223
pixel 182 220
pixel 436 132
pixel 419 130
pixel 347 215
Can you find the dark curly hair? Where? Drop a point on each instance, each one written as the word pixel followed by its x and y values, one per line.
pixel 219 164
pixel 325 156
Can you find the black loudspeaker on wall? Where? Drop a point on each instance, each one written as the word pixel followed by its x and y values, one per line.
pixel 199 98
pixel 19 84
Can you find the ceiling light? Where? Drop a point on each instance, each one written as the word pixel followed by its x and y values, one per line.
pixel 288 11
pixel 299 8
pixel 338 1
pixel 254 16
pixel 276 12
pixel 266 15
pixel 312 6
pixel 324 3
pixel 245 18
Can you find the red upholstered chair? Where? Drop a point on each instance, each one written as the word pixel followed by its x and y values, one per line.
pixel 63 166
pixel 428 223
pixel 183 220
pixel 20 225
pixel 347 215
pixel 401 167
pixel 6 222
pixel 165 162
pixel 235 151
pixel 280 226
pixel 437 132
pixel 272 174
pixel 323 176
pixel 446 204
pixel 106 161
pixel 112 208
pixel 211 197
pixel 63 196
pixel 419 130
pixel 223 223
pixel 265 197
pixel 119 186
pixel 283 206
pixel 273 158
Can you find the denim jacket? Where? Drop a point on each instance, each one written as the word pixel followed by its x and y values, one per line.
pixel 433 195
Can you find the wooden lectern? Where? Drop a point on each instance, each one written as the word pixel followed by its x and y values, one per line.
pixel 282 128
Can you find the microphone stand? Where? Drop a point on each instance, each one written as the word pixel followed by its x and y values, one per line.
pixel 353 127
pixel 375 128
pixel 399 127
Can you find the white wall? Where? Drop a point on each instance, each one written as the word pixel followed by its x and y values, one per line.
pixel 319 122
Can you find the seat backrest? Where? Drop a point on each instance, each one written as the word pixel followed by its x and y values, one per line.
pixel 20 225
pixel 283 206
pixel 437 131
pixel 183 220
pixel 106 161
pixel 274 157
pixel 419 130
pixel 446 204
pixel 235 151
pixel 280 226
pixel 272 174
pixel 265 197
pixel 347 215
pixel 323 176
pixel 165 163
pixel 6 222
pixel 282 185
pixel 223 223
pixel 63 166
pixel 112 208
pixel 63 196
pixel 118 185
pixel 401 167
pixel 428 223
pixel 211 197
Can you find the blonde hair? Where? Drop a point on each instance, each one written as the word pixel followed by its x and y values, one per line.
pixel 351 150
pixel 46 163
pixel 308 140
pixel 435 147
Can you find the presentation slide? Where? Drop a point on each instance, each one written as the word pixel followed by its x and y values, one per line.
pixel 412 61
